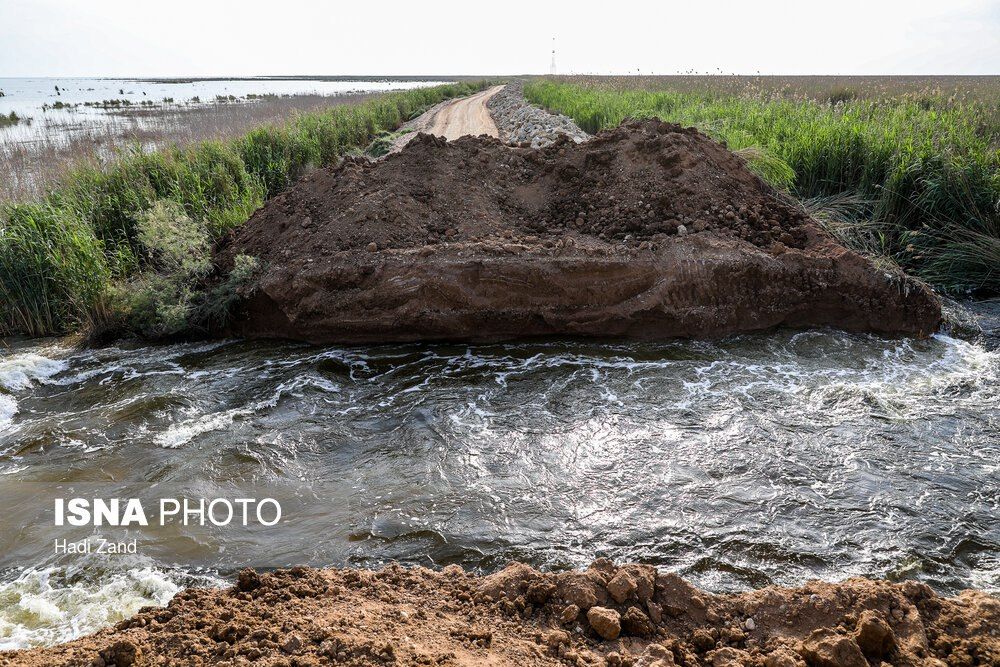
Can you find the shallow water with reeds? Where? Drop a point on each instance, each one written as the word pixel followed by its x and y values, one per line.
pixel 759 459
pixel 49 103
pixel 64 122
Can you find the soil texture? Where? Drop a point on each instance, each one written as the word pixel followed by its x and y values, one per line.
pixel 605 616
pixel 649 230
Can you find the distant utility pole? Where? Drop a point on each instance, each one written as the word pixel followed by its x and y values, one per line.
pixel 552 67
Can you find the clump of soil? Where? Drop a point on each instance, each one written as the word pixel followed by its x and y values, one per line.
pixel 663 178
pixel 649 230
pixel 605 616
pixel 642 181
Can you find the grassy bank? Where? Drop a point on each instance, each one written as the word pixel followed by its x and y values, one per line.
pixel 906 172
pixel 123 248
pixel 62 141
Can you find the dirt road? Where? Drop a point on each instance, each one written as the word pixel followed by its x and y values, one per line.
pixel 466 116
pixel 453 119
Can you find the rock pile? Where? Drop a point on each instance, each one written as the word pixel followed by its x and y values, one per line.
pixel 521 123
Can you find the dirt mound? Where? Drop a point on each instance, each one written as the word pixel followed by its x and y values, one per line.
pixel 629 616
pixel 648 230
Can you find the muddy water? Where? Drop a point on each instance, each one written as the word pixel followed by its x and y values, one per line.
pixel 758 459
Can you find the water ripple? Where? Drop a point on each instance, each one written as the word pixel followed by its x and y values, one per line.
pixel 752 460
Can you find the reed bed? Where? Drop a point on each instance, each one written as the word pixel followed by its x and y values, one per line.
pixel 918 157
pixel 80 256
pixel 62 140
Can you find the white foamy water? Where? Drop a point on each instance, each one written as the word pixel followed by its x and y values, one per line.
pixel 8 408
pixel 49 605
pixel 20 371
pixel 187 430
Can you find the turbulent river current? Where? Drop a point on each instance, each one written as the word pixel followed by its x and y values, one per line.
pixel 770 458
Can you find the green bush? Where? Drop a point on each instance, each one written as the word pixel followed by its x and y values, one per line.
pixel 169 296
pixel 11 119
pixel 175 253
pixel 173 242
pixel 216 304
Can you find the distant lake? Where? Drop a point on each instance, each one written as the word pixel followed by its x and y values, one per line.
pixel 86 97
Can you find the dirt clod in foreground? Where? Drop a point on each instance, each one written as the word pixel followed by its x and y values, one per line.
pixel 605 616
pixel 648 231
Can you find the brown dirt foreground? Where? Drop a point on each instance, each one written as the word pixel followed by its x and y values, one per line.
pixel 649 230
pixel 610 616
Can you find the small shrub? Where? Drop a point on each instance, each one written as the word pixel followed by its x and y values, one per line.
pixel 217 303
pixel 152 306
pixel 174 243
pixel 11 119
pixel 176 250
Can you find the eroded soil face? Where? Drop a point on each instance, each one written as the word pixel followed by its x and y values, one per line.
pixel 646 231
pixel 603 616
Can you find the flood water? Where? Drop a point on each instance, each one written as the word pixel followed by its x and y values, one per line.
pixel 34 98
pixel 760 459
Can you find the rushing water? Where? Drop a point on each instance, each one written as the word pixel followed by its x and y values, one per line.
pixel 738 463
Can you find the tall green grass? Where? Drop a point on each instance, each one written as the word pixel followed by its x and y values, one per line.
pixel 926 170
pixel 52 269
pixel 67 261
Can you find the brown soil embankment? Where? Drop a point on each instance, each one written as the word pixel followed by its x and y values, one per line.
pixel 605 616
pixel 648 231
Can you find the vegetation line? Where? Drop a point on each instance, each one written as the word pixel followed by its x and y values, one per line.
pixel 123 249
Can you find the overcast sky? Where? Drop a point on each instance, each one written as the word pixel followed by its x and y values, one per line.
pixel 134 38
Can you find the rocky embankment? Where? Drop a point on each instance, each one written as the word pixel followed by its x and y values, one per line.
pixel 605 616
pixel 646 231
pixel 523 124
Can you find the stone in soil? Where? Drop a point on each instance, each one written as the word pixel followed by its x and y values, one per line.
pixel 605 622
